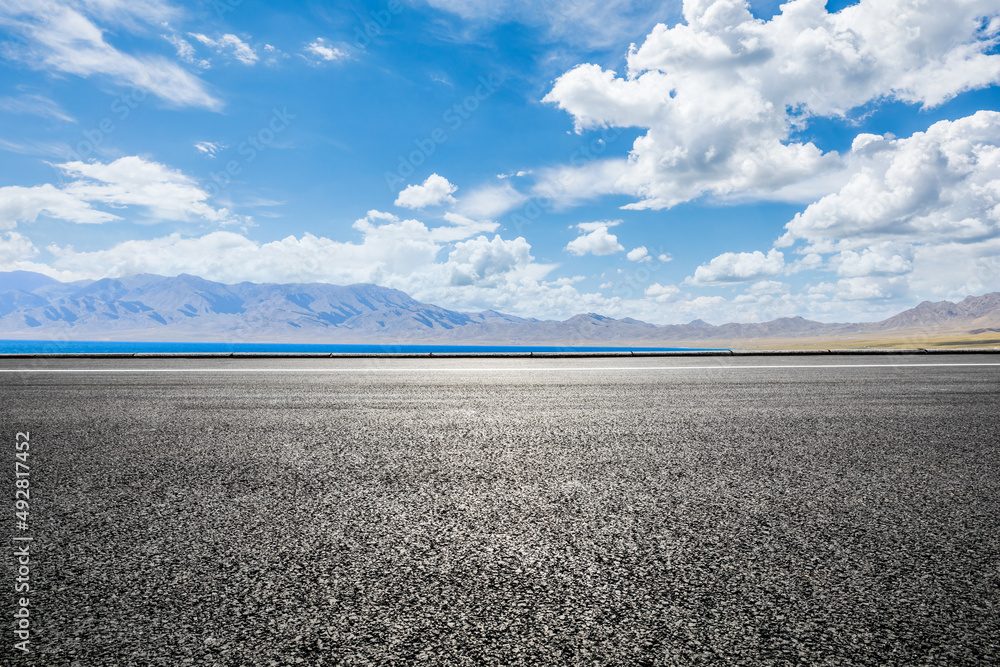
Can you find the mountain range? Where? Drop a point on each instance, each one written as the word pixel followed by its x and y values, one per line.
pixel 149 307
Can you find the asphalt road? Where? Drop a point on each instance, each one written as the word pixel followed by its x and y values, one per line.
pixel 754 511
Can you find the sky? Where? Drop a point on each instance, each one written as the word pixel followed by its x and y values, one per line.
pixel 666 161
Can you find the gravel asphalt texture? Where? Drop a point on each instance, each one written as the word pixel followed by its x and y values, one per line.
pixel 354 512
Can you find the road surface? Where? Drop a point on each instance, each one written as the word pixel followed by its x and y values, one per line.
pixel 799 510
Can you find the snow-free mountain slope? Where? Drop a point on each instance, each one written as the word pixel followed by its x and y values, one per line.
pixel 185 307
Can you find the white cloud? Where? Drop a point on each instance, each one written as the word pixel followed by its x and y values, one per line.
pixel 434 191
pixel 35 105
pixel 518 174
pixel 15 248
pixel 768 287
pixel 587 23
pixel 490 201
pixel 209 148
pixel 228 45
pixel 325 51
pixel 594 226
pixel 573 185
pixel 186 52
pixel 396 247
pixel 131 14
pixel 60 38
pixel 941 185
pixel 477 273
pixel 955 270
pixel 165 193
pixel 184 49
pixel 662 292
pixel 483 272
pixel 273 55
pixel 459 227
pixel 162 192
pixel 560 282
pixel 640 254
pixel 918 216
pixel 486 261
pixel 392 252
pixel 20 204
pixel 462 227
pixel 16 253
pixel 56 149
pixel 811 261
pixel 721 95
pixel 881 260
pixel 734 267
pixel 862 289
pixel 596 242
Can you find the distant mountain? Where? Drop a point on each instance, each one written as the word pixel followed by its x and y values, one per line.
pixel 191 307
pixel 971 311
pixel 24 280
pixel 151 307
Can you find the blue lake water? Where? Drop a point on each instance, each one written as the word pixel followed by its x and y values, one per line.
pixel 97 347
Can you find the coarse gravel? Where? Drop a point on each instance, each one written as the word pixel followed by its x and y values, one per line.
pixel 761 516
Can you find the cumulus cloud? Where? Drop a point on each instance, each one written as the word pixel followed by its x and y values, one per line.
pixel 63 38
pixel 865 289
pixel 15 248
pixel 161 192
pixel 434 191
pixel 640 254
pixel 941 185
pixel 721 94
pixel 486 261
pixel 662 292
pixel 918 218
pixel 324 51
pixel 881 260
pixel 918 215
pixel 597 240
pixel 736 267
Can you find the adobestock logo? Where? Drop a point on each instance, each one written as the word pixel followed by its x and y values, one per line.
pixel 453 119
pixel 250 148
pixel 380 20
pixel 121 108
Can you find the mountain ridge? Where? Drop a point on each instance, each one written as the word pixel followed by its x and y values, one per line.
pixel 188 307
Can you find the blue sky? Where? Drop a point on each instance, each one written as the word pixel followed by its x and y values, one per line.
pixel 667 161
